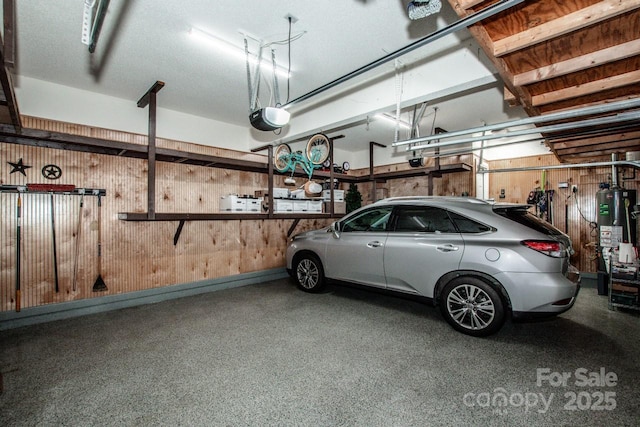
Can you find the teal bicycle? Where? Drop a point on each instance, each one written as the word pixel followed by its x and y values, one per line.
pixel 316 153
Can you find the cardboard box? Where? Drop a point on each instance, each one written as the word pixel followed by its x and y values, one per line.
pixel 233 203
pixel 301 206
pixel 338 195
pixel 278 193
pixel 282 206
pixel 339 208
pixel 315 206
pixel 618 287
pixel 254 205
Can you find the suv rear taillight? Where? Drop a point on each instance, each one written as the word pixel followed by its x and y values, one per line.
pixel 548 247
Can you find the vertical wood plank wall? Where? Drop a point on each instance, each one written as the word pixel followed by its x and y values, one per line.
pixel 580 224
pixel 135 255
pixel 141 255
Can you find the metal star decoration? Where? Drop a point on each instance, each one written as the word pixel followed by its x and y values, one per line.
pixel 19 167
pixel 51 172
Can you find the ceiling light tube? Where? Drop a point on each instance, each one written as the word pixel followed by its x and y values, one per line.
pixel 390 119
pixel 229 49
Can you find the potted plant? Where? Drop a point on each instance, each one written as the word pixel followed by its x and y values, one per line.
pixel 353 198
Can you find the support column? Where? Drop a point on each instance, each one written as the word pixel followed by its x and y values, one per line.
pixel 149 99
pixel 371 175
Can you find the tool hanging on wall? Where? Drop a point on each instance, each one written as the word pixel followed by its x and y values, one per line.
pixel 53 239
pixel 77 246
pixel 99 285
pixel 18 236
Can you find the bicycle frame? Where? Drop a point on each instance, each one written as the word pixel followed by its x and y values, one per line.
pixel 296 159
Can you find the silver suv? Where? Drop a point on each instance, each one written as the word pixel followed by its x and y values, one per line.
pixel 480 262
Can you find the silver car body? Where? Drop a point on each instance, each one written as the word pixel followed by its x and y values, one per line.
pixel 421 263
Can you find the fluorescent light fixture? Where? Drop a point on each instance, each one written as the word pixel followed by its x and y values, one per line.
pixel 388 118
pixel 232 50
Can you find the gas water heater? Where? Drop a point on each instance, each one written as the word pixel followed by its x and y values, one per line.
pixel 614 209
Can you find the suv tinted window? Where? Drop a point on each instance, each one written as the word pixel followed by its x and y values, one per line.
pixel 423 219
pixel 467 225
pixel 528 219
pixel 369 220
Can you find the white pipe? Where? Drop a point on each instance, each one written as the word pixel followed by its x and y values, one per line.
pixel 598 109
pixel 622 117
pixel 632 163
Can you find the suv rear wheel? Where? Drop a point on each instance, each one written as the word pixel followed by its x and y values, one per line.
pixel 472 306
pixel 309 273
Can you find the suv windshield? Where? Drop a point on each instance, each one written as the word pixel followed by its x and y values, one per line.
pixel 524 217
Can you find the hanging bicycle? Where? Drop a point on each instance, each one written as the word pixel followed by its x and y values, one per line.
pixel 316 153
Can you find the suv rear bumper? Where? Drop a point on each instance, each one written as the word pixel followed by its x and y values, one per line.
pixel 530 315
pixel 555 309
pixel 540 294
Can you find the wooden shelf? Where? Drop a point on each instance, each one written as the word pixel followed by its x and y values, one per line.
pixel 444 169
pixel 63 141
pixel 143 216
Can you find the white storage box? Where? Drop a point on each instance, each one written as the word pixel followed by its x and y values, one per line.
pixel 338 195
pixel 298 194
pixel 254 205
pixel 278 193
pixel 300 205
pixel 233 203
pixel 282 206
pixel 315 206
pixel 281 193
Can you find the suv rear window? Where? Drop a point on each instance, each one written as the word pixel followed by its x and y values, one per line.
pixel 466 225
pixel 524 217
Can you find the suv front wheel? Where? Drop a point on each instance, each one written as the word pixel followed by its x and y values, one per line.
pixel 309 273
pixel 472 306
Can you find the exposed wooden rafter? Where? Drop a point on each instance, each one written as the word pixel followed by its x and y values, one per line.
pixel 579 63
pixel 558 27
pixel 558 56
pixel 587 88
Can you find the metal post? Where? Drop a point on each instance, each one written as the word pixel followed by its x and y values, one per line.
pixel 149 99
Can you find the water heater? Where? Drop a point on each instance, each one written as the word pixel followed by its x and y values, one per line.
pixel 614 207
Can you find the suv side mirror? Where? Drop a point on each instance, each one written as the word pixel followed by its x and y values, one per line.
pixel 335 228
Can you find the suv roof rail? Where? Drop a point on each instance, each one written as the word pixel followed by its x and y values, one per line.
pixel 443 198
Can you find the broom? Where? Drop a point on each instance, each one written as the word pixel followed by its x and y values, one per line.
pixel 99 285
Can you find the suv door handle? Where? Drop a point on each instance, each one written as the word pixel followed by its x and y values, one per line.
pixel 447 248
pixel 374 244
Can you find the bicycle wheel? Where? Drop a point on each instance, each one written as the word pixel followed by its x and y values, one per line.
pixel 318 148
pixel 281 157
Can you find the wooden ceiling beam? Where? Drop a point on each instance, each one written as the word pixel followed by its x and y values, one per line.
pixel 613 147
pixel 586 89
pixel 582 18
pixel 586 142
pixel 579 63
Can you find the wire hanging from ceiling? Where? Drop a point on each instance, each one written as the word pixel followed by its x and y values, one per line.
pixel 399 88
pixel 268 118
pixel 289 64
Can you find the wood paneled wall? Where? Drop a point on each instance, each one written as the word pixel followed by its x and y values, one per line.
pixel 580 208
pixel 141 255
pixel 135 255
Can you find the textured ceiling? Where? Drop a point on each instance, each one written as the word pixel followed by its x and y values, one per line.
pixel 143 41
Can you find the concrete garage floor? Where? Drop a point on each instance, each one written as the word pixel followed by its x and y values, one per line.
pixel 269 354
